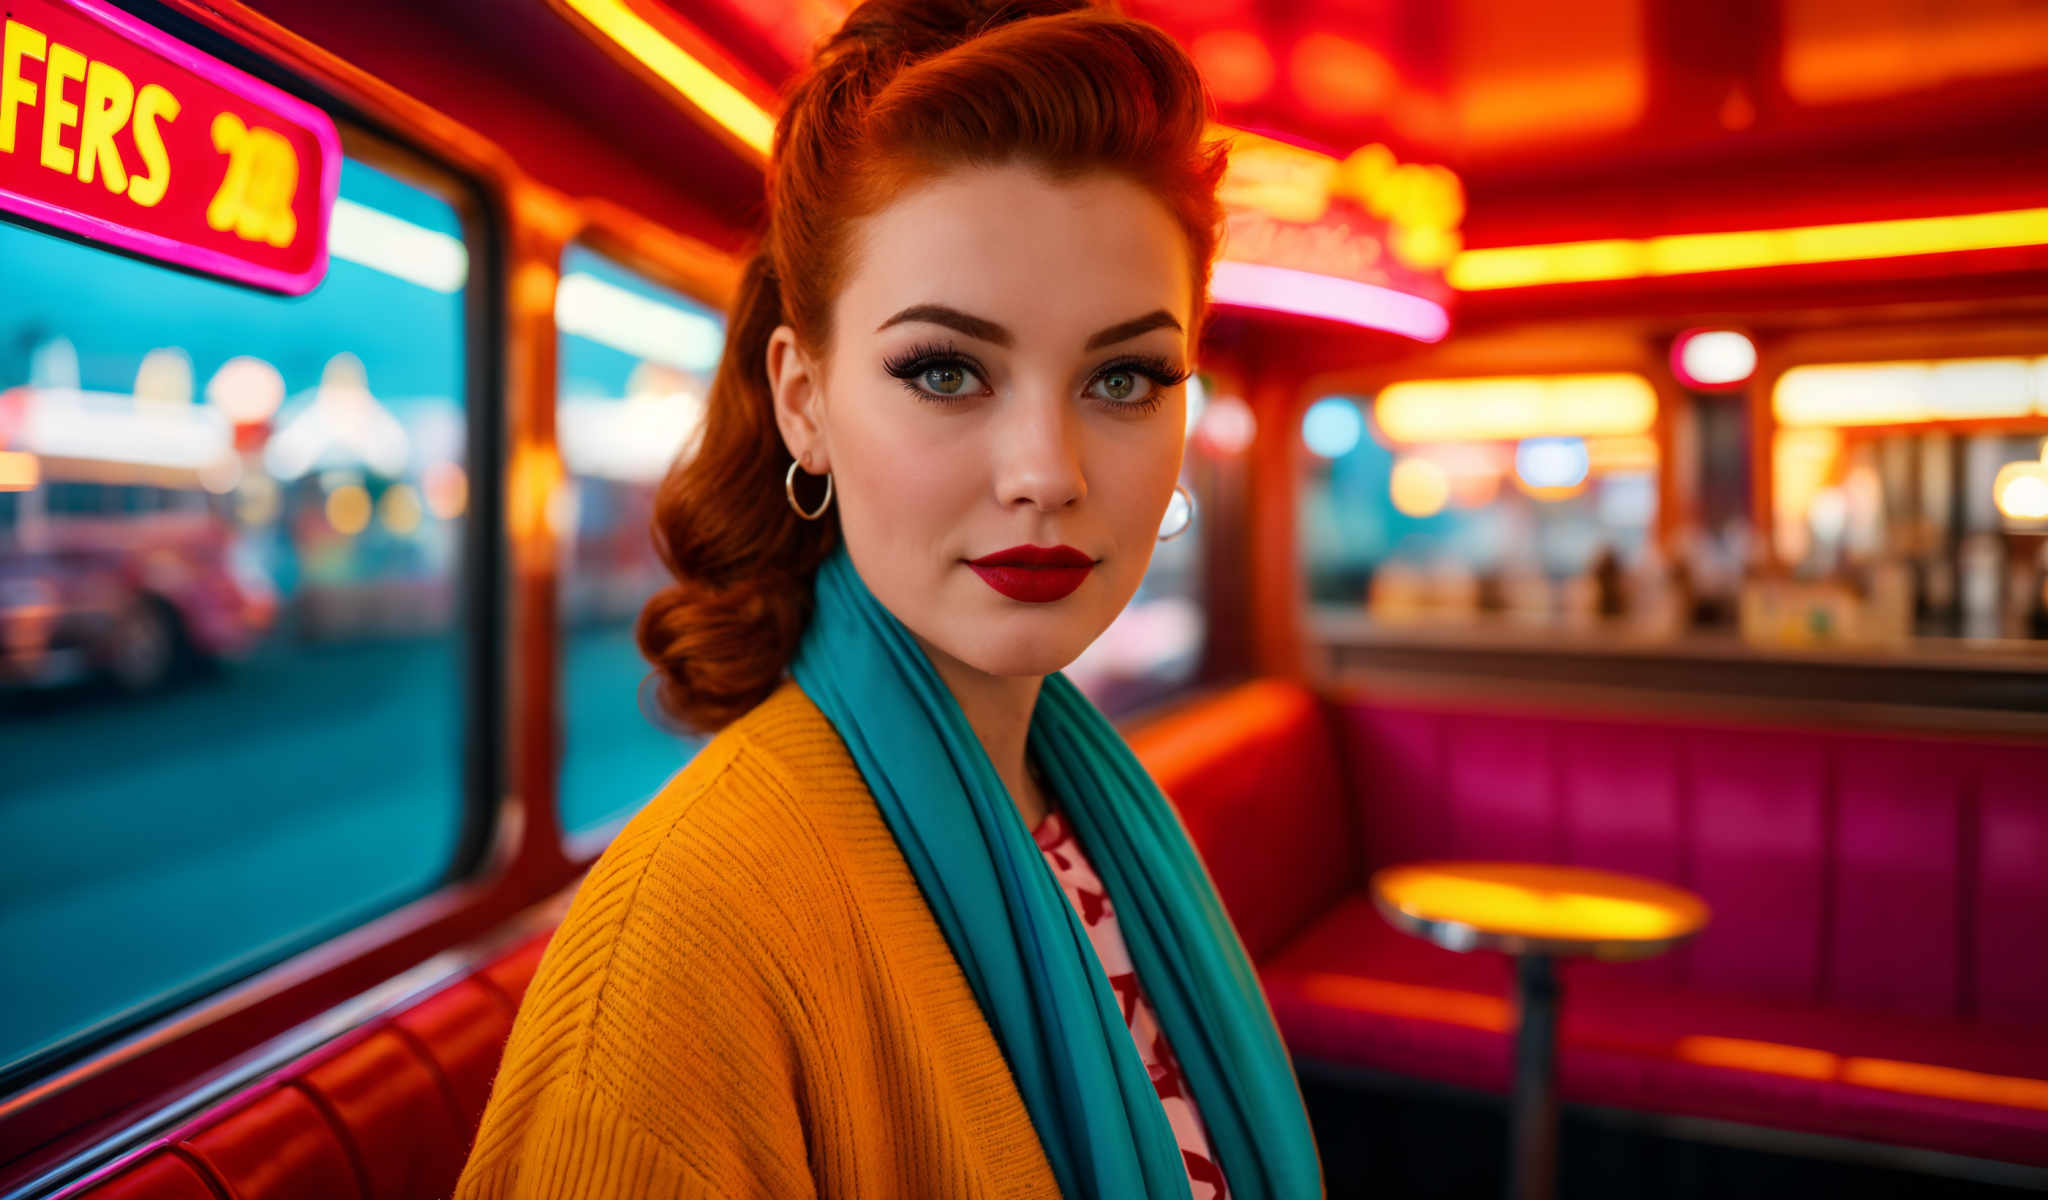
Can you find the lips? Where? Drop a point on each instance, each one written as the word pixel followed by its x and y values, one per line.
pixel 1034 574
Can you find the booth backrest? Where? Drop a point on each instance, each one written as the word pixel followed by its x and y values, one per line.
pixel 387 1114
pixel 1891 873
pixel 1255 775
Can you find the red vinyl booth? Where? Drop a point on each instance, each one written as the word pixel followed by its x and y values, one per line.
pixel 1875 965
pixel 1874 968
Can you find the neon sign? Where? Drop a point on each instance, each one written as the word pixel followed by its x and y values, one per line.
pixel 1367 222
pixel 113 132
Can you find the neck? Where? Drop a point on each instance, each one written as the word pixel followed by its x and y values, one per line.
pixel 998 708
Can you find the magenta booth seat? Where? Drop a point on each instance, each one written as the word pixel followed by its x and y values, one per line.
pixel 1877 962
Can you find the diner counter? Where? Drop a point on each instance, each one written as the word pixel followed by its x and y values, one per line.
pixel 2001 684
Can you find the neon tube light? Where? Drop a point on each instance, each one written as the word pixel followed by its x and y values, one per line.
pixel 1283 289
pixel 375 239
pixel 1510 408
pixel 1911 393
pixel 698 84
pixel 1699 253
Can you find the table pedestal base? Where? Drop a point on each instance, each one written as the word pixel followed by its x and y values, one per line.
pixel 1533 1116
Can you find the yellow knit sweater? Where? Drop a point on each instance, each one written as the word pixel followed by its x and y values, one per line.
pixel 750 998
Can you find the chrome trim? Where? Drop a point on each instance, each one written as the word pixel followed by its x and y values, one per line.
pixel 281 1057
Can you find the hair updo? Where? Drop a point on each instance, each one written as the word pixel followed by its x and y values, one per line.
pixel 905 90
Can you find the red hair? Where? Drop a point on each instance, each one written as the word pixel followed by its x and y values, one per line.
pixel 905 90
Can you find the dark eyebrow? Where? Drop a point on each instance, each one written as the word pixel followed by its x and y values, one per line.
pixel 989 331
pixel 951 318
pixel 1123 331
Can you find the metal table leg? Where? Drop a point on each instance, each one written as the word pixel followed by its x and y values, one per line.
pixel 1533 1119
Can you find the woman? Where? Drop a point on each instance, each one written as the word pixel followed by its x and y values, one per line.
pixel 859 947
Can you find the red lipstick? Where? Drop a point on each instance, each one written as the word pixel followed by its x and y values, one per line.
pixel 1034 574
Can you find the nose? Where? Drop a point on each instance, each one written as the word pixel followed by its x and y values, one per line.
pixel 1037 452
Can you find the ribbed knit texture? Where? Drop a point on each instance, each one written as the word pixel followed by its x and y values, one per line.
pixel 749 998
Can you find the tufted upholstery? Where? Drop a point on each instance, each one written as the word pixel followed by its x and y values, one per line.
pixel 1873 968
pixel 387 1114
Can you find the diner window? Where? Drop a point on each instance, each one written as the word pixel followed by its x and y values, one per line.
pixel 231 694
pixel 636 362
pixel 1910 500
pixel 1523 501
pixel 1154 646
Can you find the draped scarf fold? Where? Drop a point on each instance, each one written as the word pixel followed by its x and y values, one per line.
pixel 1022 947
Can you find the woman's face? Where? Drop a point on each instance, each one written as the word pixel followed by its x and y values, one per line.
pixel 1004 374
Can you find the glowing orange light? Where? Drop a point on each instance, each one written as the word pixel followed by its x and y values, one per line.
pixel 1510 408
pixel 1513 898
pixel 1470 1009
pixel 348 509
pixel 19 470
pixel 1769 1058
pixel 698 84
pixel 1906 393
pixel 1926 1079
pixel 1622 454
pixel 1700 253
pixel 531 481
pixel 1419 487
pixel 1235 63
pixel 1339 76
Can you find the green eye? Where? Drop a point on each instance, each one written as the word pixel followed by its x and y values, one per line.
pixel 1118 385
pixel 945 380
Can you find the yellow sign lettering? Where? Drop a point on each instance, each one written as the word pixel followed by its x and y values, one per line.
pixel 22 45
pixel 155 104
pixel 230 137
pixel 59 114
pixel 109 99
pixel 255 195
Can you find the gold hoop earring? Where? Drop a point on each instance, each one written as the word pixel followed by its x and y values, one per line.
pixel 1188 498
pixel 789 489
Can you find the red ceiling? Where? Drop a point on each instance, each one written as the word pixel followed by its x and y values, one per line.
pixel 1606 117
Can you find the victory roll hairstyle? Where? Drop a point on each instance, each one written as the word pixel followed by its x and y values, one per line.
pixel 905 91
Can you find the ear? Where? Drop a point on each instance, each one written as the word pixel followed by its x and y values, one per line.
pixel 798 388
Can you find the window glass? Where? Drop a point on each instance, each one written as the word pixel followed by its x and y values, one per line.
pixel 1154 647
pixel 229 698
pixel 636 362
pixel 1538 529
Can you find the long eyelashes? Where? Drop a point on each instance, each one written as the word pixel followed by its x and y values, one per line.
pixel 910 365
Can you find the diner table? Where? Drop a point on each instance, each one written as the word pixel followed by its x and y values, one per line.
pixel 1538 913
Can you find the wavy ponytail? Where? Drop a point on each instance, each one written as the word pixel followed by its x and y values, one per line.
pixel 721 634
pixel 906 89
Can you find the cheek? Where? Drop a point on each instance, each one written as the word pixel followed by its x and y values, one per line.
pixel 900 482
pixel 1137 481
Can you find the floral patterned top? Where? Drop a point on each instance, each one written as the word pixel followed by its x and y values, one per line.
pixel 1090 899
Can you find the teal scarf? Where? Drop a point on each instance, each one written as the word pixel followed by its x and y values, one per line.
pixel 1019 941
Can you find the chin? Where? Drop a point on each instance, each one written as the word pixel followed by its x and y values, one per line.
pixel 1028 643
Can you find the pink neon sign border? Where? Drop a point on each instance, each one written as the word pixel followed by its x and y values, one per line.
pixel 155 245
pixel 1306 293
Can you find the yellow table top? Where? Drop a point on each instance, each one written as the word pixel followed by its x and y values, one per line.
pixel 1534 908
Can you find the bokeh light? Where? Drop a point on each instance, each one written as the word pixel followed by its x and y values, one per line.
pixel 1332 427
pixel 1419 487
